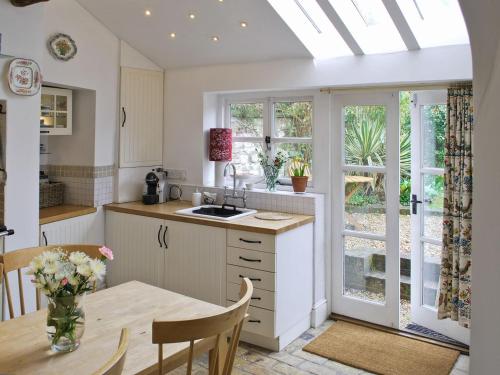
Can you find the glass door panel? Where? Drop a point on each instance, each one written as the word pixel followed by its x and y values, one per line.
pixel 366 176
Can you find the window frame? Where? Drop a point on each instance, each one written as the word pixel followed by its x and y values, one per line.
pixel 269 125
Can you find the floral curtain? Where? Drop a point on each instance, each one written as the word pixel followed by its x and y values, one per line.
pixel 455 278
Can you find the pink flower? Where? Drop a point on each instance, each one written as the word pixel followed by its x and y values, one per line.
pixel 64 281
pixel 106 252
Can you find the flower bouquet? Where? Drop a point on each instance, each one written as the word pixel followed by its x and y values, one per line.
pixel 272 167
pixel 64 277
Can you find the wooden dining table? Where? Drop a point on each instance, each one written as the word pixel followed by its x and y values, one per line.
pixel 25 349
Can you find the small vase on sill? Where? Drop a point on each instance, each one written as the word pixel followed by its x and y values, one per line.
pixel 271 174
pixel 299 183
pixel 65 322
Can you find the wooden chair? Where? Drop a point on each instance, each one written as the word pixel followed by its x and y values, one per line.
pixel 18 259
pixel 215 330
pixel 114 366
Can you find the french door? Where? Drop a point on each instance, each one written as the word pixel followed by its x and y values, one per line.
pixel 365 190
pixel 428 111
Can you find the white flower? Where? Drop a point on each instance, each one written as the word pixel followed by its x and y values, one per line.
pixel 84 270
pixel 35 265
pixel 73 280
pixel 52 286
pixel 64 270
pixel 51 268
pixel 98 268
pixel 52 256
pixel 78 258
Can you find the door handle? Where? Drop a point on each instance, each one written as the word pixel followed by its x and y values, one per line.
pixel 45 239
pixel 164 234
pixel 159 231
pixel 414 201
pixel 124 117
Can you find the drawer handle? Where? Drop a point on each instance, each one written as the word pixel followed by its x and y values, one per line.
pixel 249 241
pixel 249 278
pixel 250 260
pixel 256 298
pixel 254 321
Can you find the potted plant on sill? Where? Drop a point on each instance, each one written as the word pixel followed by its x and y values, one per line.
pixel 299 173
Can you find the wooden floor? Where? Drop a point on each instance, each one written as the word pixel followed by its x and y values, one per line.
pixel 294 361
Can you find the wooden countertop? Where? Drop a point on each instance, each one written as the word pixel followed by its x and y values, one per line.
pixel 249 223
pixel 63 212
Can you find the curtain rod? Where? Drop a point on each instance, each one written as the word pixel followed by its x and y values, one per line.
pixel 423 86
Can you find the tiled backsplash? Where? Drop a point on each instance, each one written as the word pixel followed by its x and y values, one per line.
pixel 83 185
pixel 281 201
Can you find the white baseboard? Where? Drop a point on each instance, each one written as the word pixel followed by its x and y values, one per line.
pixel 319 313
pixel 278 343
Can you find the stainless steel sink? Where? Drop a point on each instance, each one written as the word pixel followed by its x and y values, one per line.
pixel 224 212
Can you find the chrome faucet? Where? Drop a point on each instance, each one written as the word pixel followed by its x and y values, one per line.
pixel 234 195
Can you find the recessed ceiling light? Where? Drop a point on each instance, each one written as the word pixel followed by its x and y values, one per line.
pixel 221 1
pixel 147 12
pixel 243 24
pixel 192 16
pixel 215 38
pixel 172 35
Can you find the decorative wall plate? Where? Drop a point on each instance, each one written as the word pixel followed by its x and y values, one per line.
pixel 62 47
pixel 24 77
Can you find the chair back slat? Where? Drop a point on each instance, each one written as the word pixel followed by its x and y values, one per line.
pixel 18 259
pixel 218 326
pixel 114 366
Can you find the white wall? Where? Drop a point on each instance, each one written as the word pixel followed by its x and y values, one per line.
pixel 95 67
pixel 484 30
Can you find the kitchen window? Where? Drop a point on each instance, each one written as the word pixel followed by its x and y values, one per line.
pixel 270 124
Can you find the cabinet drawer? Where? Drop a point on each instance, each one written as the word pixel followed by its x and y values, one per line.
pixel 250 240
pixel 259 321
pixel 252 259
pixel 259 279
pixel 260 298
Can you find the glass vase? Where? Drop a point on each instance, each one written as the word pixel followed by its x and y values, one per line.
pixel 65 322
pixel 271 174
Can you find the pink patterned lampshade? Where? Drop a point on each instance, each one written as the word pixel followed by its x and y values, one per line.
pixel 221 144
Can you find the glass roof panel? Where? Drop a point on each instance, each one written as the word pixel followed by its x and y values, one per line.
pixel 308 21
pixel 435 22
pixel 370 24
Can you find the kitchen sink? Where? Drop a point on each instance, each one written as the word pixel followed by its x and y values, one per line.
pixel 225 212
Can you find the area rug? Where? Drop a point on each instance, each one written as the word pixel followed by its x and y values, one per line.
pixel 381 352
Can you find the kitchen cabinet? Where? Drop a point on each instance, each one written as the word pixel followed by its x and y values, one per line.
pixel 195 261
pixel 141 118
pixel 56 112
pixel 281 270
pixel 185 258
pixel 139 253
pixel 85 229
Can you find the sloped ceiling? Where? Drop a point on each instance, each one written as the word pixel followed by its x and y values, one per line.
pixel 266 37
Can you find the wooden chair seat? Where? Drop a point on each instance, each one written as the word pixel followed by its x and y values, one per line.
pixel 18 259
pixel 220 334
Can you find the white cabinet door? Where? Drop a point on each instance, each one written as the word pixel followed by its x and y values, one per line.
pixel 196 261
pixel 86 229
pixel 141 117
pixel 139 253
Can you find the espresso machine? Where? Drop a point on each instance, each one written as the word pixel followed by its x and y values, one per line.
pixel 155 187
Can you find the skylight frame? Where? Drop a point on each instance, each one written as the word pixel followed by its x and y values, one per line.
pixel 377 36
pixel 305 17
pixel 442 24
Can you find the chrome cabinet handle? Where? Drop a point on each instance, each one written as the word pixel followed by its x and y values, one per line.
pixel 124 117
pixel 159 231
pixel 249 241
pixel 249 278
pixel 250 260
pixel 164 234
